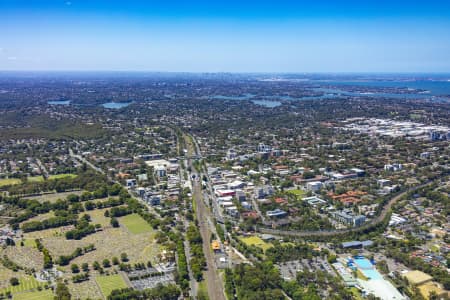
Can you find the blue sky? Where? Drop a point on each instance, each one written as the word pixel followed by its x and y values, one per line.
pixel 226 36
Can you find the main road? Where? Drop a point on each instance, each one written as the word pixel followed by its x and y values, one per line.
pixel 206 225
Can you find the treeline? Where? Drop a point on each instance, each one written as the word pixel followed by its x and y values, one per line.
pixel 87 180
pixel 83 228
pixel 160 292
pixel 311 285
pixel 48 260
pixel 53 222
pixel 288 252
pixel 261 281
pixel 198 261
pixel 64 260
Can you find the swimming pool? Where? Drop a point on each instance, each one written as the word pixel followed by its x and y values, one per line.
pixel 363 263
pixel 366 267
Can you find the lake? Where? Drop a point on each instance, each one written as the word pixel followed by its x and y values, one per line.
pixel 115 105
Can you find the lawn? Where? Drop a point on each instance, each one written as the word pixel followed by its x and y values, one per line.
pixel 38 295
pixel 256 241
pixel 26 283
pixel 9 181
pixel 59 176
pixel 299 193
pixel 35 179
pixel 109 283
pixel 135 224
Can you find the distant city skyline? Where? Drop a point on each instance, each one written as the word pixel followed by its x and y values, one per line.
pixel 226 36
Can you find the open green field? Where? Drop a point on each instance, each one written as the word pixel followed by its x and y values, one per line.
pixel 299 193
pixel 26 283
pixel 59 176
pixel 256 241
pixel 35 178
pixel 109 283
pixel 9 181
pixel 135 224
pixel 38 295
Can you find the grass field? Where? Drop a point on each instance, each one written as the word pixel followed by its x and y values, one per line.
pixel 59 176
pixel 135 224
pixel 299 193
pixel 9 181
pixel 38 295
pixel 109 283
pixel 35 179
pixel 256 241
pixel 26 283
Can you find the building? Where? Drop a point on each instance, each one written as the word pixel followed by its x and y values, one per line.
pixel 425 284
pixel 263 148
pixel 347 218
pixel 130 183
pixel 314 186
pixel 160 171
pixel 277 213
pixel 393 167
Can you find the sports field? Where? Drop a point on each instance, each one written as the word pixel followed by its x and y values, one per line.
pixel 135 224
pixel 38 295
pixel 256 241
pixel 109 283
pixel 26 283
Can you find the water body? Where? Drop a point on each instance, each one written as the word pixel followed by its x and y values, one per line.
pixel 59 102
pixel 267 103
pixel 115 105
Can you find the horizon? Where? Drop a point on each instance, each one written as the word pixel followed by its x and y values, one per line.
pixel 225 37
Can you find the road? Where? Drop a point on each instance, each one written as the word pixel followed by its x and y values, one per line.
pixel 84 160
pixel 206 227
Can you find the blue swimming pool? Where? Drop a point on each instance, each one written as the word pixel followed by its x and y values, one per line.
pixel 366 267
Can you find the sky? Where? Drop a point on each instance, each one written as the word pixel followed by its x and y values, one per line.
pixel 225 36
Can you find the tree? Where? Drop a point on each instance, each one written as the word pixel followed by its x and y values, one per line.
pixel 115 260
pixel 124 257
pixel 62 292
pixel 106 263
pixel 85 267
pixel 14 281
pixel 114 222
pixel 75 268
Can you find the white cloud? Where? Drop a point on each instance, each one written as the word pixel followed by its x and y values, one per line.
pixel 12 58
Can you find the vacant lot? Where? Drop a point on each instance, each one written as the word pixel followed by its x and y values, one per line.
pixel 9 181
pixel 38 295
pixel 135 224
pixel 109 283
pixel 256 241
